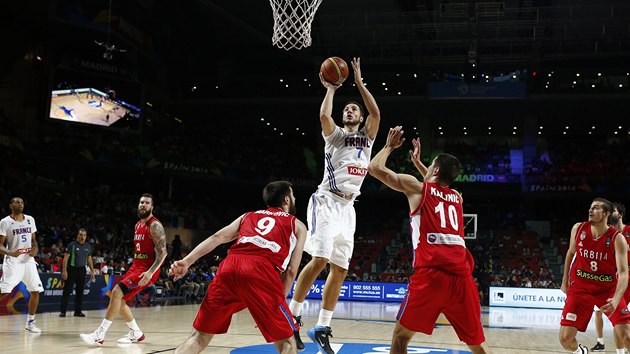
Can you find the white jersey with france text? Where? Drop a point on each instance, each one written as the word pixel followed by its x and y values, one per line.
pixel 346 160
pixel 18 237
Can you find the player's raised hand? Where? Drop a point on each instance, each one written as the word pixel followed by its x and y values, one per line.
pixel 395 137
pixel 356 67
pixel 178 269
pixel 327 84
pixel 415 153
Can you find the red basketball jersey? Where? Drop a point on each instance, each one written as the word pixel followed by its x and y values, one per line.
pixel 594 268
pixel 437 231
pixel 143 246
pixel 269 233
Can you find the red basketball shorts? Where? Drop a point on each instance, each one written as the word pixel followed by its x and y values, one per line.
pixel 431 292
pixel 246 282
pixel 578 309
pixel 129 282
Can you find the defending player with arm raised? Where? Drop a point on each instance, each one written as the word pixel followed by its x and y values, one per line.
pixel 257 273
pixel 442 281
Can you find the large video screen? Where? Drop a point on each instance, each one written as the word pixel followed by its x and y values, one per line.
pixel 86 98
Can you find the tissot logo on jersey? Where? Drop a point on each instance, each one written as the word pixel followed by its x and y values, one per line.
pixel 356 141
pixel 451 197
pixel 22 230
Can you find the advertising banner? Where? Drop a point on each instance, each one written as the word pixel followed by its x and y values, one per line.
pixel 527 297
pixel 361 291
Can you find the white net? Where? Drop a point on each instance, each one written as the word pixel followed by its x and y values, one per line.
pixel 292 22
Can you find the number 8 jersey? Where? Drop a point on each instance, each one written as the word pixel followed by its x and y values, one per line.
pixel 437 231
pixel 594 268
pixel 269 233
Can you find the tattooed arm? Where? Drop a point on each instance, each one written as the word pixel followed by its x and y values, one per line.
pixel 159 240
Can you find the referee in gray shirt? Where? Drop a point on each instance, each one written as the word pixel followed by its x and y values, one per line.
pixel 77 255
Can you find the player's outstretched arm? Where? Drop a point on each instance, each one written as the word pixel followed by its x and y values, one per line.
pixel 373 120
pixel 289 274
pixel 325 111
pixel 396 181
pixel 415 157
pixel 226 234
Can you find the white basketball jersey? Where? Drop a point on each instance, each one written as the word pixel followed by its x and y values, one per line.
pixel 19 236
pixel 346 160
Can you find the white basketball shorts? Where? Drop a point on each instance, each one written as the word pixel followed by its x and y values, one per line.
pixel 15 272
pixel 331 226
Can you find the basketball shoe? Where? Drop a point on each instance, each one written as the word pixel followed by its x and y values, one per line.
pixel 599 347
pixel 132 337
pixel 296 334
pixel 95 338
pixel 32 327
pixel 583 349
pixel 319 335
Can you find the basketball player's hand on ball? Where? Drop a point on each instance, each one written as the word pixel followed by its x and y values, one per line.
pixel 611 305
pixel 395 137
pixel 178 269
pixel 327 84
pixel 356 67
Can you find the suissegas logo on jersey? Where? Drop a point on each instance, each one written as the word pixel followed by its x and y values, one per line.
pixel 350 348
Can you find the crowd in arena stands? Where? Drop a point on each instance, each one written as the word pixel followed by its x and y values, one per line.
pixel 489 158
pixel 573 164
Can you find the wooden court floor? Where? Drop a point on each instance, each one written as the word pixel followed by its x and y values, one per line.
pixel 508 331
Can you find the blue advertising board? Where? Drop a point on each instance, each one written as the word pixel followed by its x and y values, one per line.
pixel 361 291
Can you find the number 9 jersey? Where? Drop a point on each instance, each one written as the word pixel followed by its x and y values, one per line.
pixel 437 231
pixel 270 233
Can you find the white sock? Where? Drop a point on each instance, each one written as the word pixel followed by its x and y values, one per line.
pixel 105 325
pixel 30 317
pixel 600 340
pixel 133 325
pixel 295 307
pixel 325 317
pixel 621 351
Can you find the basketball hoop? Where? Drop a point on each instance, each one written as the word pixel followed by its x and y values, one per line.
pixel 292 22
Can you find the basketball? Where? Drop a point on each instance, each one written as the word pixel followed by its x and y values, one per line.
pixel 334 70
